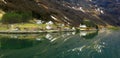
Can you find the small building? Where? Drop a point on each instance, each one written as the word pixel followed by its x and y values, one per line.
pixel 49 23
pixel 39 22
pixel 83 26
pixel 48 27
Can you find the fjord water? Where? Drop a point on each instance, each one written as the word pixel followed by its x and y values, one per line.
pixel 86 44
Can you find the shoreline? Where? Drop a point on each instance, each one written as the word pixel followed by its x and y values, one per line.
pixel 38 32
pixel 34 32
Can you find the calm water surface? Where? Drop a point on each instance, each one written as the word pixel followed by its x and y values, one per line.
pixel 86 44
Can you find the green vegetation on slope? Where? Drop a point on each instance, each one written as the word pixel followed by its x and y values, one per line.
pixel 16 17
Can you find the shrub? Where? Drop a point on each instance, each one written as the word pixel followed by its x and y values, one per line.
pixel 26 16
pixel 15 17
pixel 11 18
pixel 89 23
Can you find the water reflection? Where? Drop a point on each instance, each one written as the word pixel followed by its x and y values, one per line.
pixel 88 35
pixel 61 45
pixel 19 41
pixel 15 43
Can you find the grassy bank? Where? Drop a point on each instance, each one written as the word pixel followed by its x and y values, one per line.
pixel 27 27
pixel 113 28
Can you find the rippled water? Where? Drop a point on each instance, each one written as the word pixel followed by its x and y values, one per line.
pixel 86 44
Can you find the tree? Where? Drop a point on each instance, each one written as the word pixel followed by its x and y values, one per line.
pixel 16 17
pixel 11 18
pixel 89 23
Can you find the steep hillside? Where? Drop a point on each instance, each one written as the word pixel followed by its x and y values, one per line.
pixel 71 12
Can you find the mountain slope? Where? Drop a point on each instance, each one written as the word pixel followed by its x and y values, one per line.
pixel 71 12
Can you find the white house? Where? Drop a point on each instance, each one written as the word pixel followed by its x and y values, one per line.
pixel 83 26
pixel 49 23
pixel 48 27
pixel 39 21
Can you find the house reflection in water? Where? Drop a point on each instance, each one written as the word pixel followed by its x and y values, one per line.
pixel 88 35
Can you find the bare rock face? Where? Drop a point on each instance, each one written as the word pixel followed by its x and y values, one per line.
pixel 111 10
pixel 71 12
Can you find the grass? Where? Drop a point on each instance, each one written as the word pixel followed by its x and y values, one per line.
pixel 3 28
pixel 22 26
pixel 114 28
